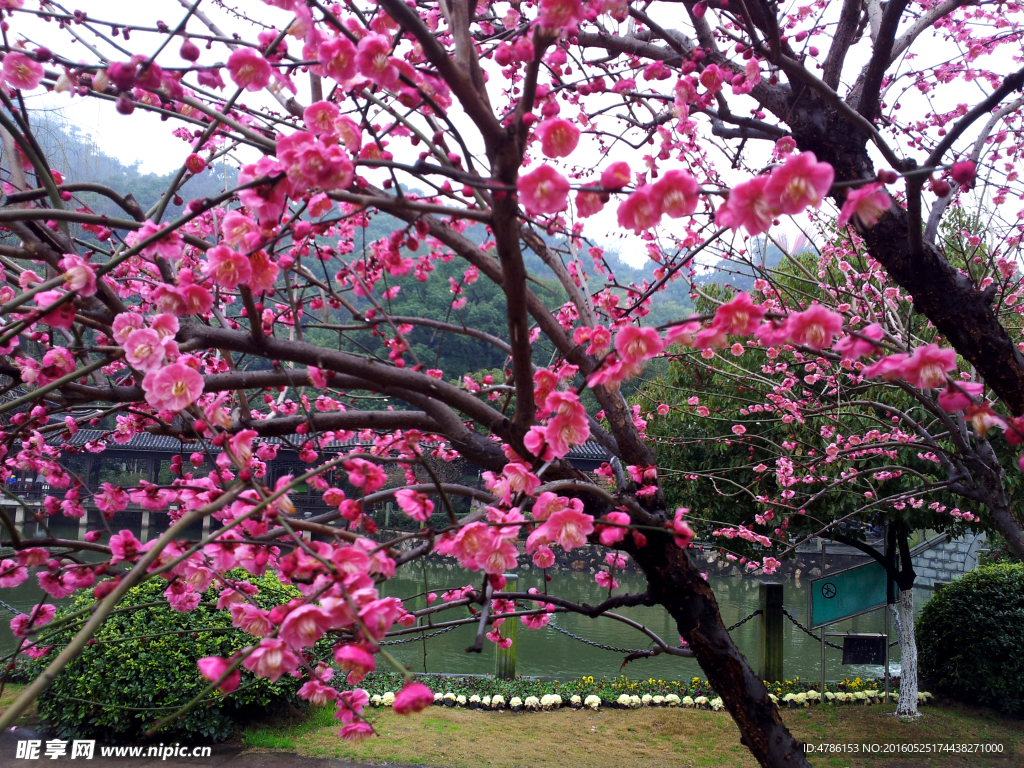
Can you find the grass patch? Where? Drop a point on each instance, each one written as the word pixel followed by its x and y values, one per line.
pixel 459 738
pixel 11 691
pixel 263 739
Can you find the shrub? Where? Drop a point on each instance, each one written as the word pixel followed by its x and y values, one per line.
pixel 969 638
pixel 142 666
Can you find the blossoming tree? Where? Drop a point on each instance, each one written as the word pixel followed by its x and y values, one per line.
pixel 782 439
pixel 520 122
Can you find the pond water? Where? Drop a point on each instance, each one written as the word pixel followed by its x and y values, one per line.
pixel 546 652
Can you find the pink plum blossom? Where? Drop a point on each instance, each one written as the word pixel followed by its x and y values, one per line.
pixel 414 697
pixel 558 137
pixel 567 528
pixel 271 659
pixel 853 348
pixel 248 69
pixel 227 268
pixel 612 534
pixel 214 667
pixel 416 505
pixel 543 557
pixel 677 193
pixel 963 172
pixel 251 619
pixel 959 397
pixel 888 368
pixel 356 660
pixel 21 623
pixel 815 327
pixel 800 182
pixel 11 573
pixel 79 275
pixel 560 14
pixel 927 367
pixel 739 316
pixel 144 349
pixel 374 61
pixel 124 546
pixel 337 56
pixel 682 530
pixel 173 387
pixel 21 71
pixel 866 205
pixel 635 344
pixel 749 207
pixel 616 175
pixel 304 626
pixel 588 204
pixel 641 210
pixel 544 190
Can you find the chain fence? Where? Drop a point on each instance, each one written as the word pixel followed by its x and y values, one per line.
pixel 793 619
pixel 743 621
pixel 417 638
pixel 584 640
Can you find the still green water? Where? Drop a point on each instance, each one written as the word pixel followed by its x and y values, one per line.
pixel 545 652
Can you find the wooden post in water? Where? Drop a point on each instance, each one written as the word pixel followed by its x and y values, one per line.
pixel 505 658
pixel 770 598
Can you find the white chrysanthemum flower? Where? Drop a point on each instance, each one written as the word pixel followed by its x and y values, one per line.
pixel 375 699
pixel 658 700
pixel 474 699
pixel 592 701
pixel 498 701
pixel 686 702
pixel 634 701
pixel 646 699
pixel 531 702
pixel 701 701
pixel 623 700
pixel 673 701
pixel 388 699
pixel 575 700
pixel 460 700
pixel 438 696
pixel 717 704
pixel 515 701
pixel 486 701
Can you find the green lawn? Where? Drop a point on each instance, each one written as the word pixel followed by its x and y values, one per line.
pixel 458 738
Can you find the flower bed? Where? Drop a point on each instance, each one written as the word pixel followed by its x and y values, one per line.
pixel 532 695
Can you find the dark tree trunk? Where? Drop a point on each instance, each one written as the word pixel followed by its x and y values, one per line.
pixel 676 584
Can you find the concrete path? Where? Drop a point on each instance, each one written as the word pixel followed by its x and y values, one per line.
pixel 223 756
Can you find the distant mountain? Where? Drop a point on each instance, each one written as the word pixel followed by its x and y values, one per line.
pixel 740 275
pixel 78 158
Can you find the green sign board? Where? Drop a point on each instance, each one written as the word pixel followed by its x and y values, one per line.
pixel 847 593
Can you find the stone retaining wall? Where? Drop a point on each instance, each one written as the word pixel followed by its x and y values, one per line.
pixel 947 559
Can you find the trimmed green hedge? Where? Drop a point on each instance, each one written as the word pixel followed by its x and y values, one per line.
pixel 142 666
pixel 970 636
